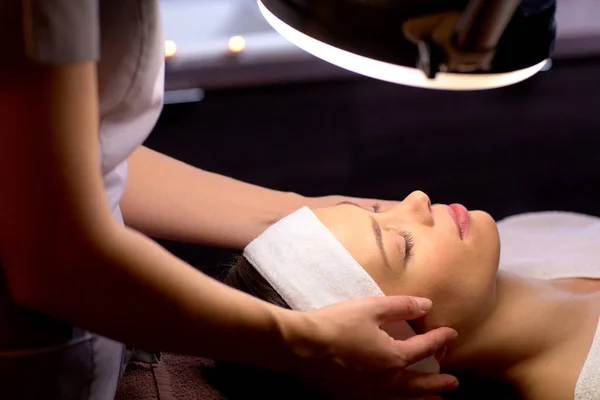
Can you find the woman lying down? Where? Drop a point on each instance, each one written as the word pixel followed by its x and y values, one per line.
pixel 527 315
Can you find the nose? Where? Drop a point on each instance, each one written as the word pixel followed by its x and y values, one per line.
pixel 419 205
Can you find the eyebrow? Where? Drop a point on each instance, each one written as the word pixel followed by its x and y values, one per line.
pixel 378 236
pixel 376 228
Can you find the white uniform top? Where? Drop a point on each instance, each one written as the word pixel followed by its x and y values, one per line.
pixel 126 38
pixel 553 245
pixel 131 83
pixel 130 69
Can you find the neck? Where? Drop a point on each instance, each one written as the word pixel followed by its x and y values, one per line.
pixel 528 321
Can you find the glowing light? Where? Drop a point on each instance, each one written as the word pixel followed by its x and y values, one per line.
pixel 170 48
pixel 237 44
pixel 395 73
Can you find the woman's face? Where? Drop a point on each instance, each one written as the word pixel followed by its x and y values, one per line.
pixel 441 252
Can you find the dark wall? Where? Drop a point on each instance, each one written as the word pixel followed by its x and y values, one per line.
pixel 530 147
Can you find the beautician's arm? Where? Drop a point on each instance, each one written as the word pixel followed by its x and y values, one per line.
pixel 64 255
pixel 168 199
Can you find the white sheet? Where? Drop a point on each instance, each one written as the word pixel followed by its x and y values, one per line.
pixel 552 245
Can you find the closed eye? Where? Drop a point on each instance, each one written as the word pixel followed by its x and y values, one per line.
pixel 408 237
pixel 410 243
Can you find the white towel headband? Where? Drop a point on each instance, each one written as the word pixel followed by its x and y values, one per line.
pixel 310 269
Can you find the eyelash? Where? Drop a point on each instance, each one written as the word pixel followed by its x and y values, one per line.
pixel 410 242
pixel 408 237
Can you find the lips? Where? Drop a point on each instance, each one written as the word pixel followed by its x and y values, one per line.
pixel 460 215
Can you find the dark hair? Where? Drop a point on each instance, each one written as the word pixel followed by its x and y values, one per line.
pixel 243 276
pixel 237 381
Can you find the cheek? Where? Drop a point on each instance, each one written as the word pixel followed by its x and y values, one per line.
pixel 436 281
pixel 443 278
pixel 432 277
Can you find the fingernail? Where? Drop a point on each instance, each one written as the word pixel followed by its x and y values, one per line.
pixel 425 304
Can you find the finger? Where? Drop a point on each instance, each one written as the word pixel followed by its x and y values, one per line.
pixel 381 205
pixel 419 384
pixel 400 308
pixel 387 205
pixel 419 347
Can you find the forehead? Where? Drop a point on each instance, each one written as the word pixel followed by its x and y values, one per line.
pixel 352 226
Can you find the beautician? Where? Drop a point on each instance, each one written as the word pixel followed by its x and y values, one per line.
pixel 81 85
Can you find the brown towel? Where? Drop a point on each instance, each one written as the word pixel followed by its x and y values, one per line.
pixel 179 377
pixel 137 383
pixel 176 377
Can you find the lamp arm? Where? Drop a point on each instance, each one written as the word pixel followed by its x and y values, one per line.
pixel 483 23
pixel 462 42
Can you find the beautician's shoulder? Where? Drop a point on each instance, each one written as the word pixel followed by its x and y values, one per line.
pixel 50 32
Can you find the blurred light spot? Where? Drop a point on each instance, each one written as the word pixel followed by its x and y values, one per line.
pixel 237 44
pixel 170 48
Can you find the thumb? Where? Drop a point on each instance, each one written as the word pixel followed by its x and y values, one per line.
pixel 400 308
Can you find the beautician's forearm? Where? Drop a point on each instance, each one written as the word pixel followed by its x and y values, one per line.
pixel 130 289
pixel 168 199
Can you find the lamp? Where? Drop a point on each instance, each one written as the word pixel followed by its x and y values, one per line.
pixel 436 44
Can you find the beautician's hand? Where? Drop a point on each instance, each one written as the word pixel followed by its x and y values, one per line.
pixel 346 353
pixel 368 204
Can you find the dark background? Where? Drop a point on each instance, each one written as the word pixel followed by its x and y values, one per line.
pixel 533 146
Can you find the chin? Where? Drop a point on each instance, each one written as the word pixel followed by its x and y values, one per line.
pixel 487 235
pixel 484 219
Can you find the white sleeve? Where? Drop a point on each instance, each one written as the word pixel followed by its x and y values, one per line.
pixel 61 31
